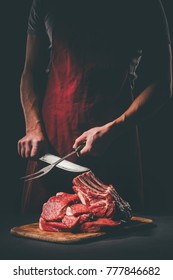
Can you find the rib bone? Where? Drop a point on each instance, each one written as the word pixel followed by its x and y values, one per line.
pixel 89 180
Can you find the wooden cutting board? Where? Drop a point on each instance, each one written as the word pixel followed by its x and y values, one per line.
pixel 33 231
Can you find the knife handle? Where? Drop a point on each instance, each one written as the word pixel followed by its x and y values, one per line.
pixel 79 148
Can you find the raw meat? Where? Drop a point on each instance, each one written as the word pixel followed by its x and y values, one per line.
pixel 52 226
pixel 77 209
pixel 55 208
pixel 98 225
pixel 70 221
pixel 88 187
pixel 93 207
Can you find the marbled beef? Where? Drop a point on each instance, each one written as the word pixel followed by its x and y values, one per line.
pixel 93 207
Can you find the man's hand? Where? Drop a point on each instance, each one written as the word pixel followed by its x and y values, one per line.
pixel 32 145
pixel 97 140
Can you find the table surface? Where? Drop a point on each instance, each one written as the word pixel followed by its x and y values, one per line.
pixel 150 242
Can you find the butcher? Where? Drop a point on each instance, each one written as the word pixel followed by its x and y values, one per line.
pixel 93 71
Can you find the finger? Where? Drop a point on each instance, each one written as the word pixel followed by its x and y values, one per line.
pixel 87 148
pixel 22 150
pixel 28 149
pixel 34 149
pixel 81 139
pixel 19 147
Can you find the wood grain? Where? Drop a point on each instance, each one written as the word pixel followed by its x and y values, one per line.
pixel 33 231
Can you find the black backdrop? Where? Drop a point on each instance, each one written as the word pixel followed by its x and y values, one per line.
pixel 156 133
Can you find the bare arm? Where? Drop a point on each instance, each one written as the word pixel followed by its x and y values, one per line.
pixel 34 141
pixel 148 101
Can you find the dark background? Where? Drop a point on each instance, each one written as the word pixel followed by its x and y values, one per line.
pixel 155 134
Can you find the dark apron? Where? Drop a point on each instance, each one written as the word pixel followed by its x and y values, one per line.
pixel 88 86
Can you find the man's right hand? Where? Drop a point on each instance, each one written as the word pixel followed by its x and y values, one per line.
pixel 32 145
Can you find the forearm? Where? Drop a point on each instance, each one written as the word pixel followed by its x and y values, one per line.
pixel 34 142
pixel 97 139
pixel 30 103
pixel 148 101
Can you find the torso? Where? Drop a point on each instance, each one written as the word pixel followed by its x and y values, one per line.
pixel 89 81
pixel 92 64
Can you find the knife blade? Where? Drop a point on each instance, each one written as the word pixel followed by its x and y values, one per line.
pixel 65 164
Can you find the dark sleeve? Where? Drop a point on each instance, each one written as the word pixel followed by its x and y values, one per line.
pixel 36 23
pixel 155 28
pixel 155 41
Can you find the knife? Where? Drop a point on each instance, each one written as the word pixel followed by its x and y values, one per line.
pixel 65 164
